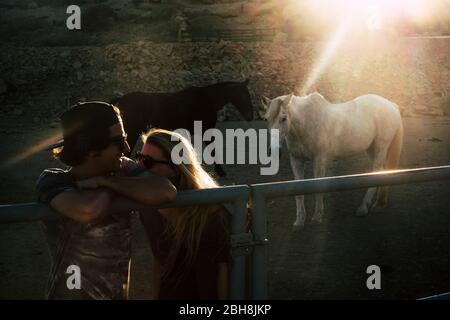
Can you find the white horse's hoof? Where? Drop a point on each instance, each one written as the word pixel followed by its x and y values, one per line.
pixel 362 212
pixel 297 227
pixel 379 205
pixel 377 209
pixel 316 220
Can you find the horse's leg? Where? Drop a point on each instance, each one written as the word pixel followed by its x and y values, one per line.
pixel 379 158
pixel 134 141
pixel 298 168
pixel 219 170
pixel 217 167
pixel 392 160
pixel 319 172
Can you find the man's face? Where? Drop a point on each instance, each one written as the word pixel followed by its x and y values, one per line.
pixel 109 159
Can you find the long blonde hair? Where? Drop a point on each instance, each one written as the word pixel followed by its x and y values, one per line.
pixel 188 226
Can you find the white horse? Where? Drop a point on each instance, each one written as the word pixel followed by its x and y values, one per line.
pixel 315 129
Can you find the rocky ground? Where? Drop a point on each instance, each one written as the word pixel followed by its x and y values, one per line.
pixel 43 22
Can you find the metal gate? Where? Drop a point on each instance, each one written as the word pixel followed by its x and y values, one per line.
pixel 252 199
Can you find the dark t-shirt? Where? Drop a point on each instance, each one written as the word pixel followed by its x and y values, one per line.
pixel 101 250
pixel 200 280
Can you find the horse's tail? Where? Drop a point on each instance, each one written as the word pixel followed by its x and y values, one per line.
pixel 395 149
pixel 392 161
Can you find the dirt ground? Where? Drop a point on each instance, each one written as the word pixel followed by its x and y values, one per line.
pixel 409 239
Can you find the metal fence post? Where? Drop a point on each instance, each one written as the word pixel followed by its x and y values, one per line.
pixel 237 275
pixel 259 229
pixel 238 196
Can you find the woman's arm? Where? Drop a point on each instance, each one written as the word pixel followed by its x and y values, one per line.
pixel 222 281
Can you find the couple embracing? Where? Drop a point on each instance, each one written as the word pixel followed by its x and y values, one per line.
pixel 94 196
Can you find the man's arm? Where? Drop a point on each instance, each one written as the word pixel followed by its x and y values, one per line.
pixel 84 206
pixel 121 203
pixel 148 190
pixel 87 206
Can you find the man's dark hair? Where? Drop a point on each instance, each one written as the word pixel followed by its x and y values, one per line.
pixel 85 128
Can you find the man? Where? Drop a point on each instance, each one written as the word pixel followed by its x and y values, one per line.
pixel 94 198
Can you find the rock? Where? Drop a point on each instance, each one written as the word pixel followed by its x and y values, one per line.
pixel 251 9
pixel 280 37
pixel 423 110
pixel 422 91
pixel 98 18
pixel 20 82
pixel 14 131
pixel 222 44
pixel 221 115
pixel 32 5
pixel 3 87
pixel 143 73
pixel 405 112
pixel 18 111
pixel 436 102
pixel 155 68
pixel 436 112
pixel 64 54
pixel 183 74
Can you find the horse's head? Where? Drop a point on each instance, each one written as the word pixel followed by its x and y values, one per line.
pixel 240 98
pixel 277 116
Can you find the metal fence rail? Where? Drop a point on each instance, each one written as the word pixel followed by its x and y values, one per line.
pixel 237 196
pixel 245 35
pixel 263 191
pixel 256 195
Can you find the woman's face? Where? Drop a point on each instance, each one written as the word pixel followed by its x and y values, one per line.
pixel 160 169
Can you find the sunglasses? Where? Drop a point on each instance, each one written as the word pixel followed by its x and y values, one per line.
pixel 149 162
pixel 119 141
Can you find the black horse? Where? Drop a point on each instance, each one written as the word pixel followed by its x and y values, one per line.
pixel 176 110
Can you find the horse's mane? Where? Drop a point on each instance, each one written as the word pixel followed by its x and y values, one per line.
pixel 318 99
pixel 214 85
pixel 225 83
pixel 314 98
pixel 273 112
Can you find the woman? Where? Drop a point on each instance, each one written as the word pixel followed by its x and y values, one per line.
pixel 190 245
